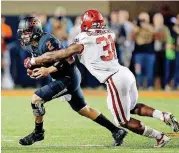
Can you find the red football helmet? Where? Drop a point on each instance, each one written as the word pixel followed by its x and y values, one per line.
pixel 92 19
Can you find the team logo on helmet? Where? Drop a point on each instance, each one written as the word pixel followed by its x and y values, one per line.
pixel 100 16
pixel 85 17
pixel 34 22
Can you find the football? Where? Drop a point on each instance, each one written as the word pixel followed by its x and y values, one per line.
pixel 35 66
pixel 29 72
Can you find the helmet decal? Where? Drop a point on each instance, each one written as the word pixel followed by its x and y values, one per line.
pixel 85 17
pixel 34 22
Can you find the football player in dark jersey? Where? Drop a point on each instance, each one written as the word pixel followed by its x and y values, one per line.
pixel 66 81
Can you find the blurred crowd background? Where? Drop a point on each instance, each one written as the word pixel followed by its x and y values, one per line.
pixel 147 43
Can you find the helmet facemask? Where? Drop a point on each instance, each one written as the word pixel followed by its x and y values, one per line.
pixel 30 29
pixel 98 25
pixel 24 37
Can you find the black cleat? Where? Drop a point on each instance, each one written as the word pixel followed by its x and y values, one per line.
pixel 119 136
pixel 31 138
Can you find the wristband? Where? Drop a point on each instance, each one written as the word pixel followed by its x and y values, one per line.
pixel 32 61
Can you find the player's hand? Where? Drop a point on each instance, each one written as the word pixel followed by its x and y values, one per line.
pixel 27 63
pixel 40 72
pixel 30 74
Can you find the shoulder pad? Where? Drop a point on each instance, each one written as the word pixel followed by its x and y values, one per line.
pixel 81 38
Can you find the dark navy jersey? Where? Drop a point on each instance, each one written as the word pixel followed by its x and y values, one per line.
pixel 49 43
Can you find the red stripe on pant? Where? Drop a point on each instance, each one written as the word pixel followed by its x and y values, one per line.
pixel 113 102
pixel 118 99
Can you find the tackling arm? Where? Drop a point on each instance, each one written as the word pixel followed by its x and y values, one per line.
pixel 57 55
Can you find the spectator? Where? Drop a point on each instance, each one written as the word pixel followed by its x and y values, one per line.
pixel 147 40
pixel 6 34
pixel 59 29
pixel 176 30
pixel 43 19
pixel 75 30
pixel 144 57
pixel 114 25
pixel 125 41
pixel 169 63
pixel 60 25
pixel 106 22
pixel 167 14
pixel 161 35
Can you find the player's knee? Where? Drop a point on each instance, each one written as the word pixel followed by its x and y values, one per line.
pixel 35 99
pixel 137 109
pixel 131 124
pixel 137 126
pixel 38 110
pixel 84 111
pixel 37 105
pixel 90 109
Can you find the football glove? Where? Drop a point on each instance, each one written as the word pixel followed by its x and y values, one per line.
pixel 27 63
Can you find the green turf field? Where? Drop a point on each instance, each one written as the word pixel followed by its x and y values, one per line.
pixel 66 131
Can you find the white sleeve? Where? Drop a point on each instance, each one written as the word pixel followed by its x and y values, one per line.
pixel 82 39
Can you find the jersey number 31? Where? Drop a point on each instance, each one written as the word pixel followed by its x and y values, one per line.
pixel 110 47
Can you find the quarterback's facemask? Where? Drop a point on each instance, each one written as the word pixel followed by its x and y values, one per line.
pixel 29 30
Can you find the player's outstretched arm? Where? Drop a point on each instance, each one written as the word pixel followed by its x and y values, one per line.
pixel 58 55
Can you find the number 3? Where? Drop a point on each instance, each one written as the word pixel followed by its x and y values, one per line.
pixel 110 47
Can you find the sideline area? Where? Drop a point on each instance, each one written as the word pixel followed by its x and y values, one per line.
pixel 95 93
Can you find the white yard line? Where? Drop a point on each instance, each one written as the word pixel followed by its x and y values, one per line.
pixel 7 140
